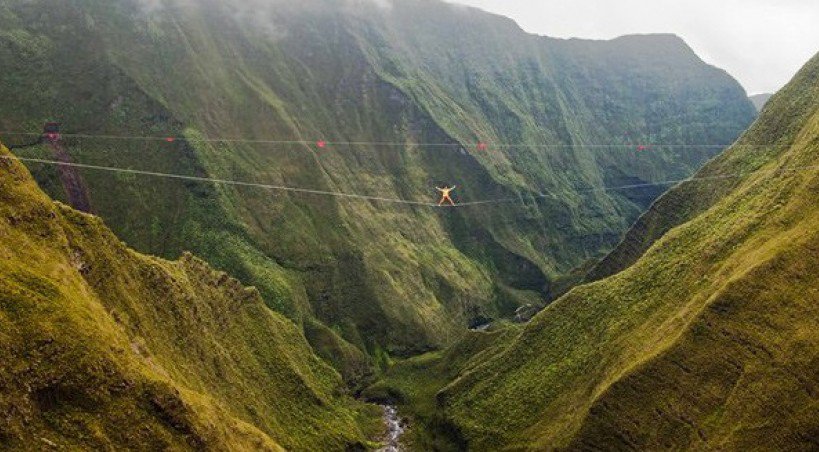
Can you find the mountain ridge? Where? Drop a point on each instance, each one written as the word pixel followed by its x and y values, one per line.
pixel 672 351
pixel 410 280
pixel 674 208
pixel 760 100
pixel 105 348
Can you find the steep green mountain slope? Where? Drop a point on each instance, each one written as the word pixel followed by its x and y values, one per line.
pixel 786 113
pixel 709 341
pixel 105 348
pixel 363 275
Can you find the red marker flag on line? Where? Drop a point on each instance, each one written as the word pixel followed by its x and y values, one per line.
pixel 170 139
pixel 482 146
pixel 641 148
pixel 321 143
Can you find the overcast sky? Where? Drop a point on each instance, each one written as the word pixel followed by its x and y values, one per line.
pixel 760 42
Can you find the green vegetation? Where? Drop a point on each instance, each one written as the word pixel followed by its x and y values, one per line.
pixel 387 280
pixel 699 331
pixel 785 117
pixel 413 385
pixel 105 348
pixel 708 341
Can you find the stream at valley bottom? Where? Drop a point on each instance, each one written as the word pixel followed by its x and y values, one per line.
pixel 395 428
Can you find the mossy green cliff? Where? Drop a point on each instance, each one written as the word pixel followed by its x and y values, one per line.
pixel 105 348
pixel 708 341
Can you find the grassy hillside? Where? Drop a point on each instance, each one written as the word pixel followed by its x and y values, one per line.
pixel 413 385
pixel 385 279
pixel 707 342
pixel 105 348
pixel 786 114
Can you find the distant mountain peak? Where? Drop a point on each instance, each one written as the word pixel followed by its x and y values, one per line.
pixel 759 100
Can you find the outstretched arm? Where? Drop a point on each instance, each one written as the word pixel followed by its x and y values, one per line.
pixel 439 188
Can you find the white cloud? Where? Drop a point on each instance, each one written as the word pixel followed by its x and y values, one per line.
pixel 383 4
pixel 258 15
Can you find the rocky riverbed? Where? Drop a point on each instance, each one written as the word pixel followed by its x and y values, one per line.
pixel 395 428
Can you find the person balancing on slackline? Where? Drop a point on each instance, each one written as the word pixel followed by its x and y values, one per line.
pixel 445 197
